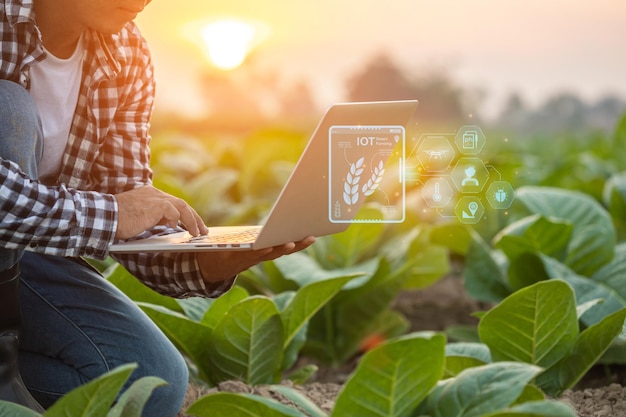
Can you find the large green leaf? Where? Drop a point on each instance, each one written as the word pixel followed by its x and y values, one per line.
pixel 221 305
pixel 536 325
pixel 589 347
pixel 137 291
pixel 195 307
pixel 593 236
pixel 347 248
pixel 588 291
pixel 392 379
pixel 133 400
pixel 226 404
pixel 484 278
pixel 357 311
pixel 308 301
pixel 480 391
pixel 534 234
pixel 462 355
pixel 612 274
pixel 425 264
pixel 303 269
pixel 614 196
pixel 414 255
pixel 247 344
pixel 95 398
pixel 188 336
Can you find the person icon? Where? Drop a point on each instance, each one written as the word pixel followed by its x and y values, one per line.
pixel 469 179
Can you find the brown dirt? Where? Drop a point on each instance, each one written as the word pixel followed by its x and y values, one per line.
pixel 600 394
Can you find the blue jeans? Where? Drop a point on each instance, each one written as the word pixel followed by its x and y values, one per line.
pixel 75 324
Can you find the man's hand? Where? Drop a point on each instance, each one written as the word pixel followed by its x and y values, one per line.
pixel 145 207
pixel 223 265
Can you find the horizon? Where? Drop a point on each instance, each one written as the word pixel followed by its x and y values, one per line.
pixel 494 48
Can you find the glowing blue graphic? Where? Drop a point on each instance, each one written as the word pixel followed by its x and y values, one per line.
pixel 452 177
pixel 365 166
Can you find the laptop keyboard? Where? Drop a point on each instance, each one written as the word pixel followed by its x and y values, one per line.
pixel 241 236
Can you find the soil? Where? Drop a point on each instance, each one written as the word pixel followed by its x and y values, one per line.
pixel 602 393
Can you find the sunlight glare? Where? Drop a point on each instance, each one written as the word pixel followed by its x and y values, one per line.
pixel 228 42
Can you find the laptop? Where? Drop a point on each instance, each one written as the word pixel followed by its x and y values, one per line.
pixel 302 207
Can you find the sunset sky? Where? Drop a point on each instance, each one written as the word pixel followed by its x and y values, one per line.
pixel 535 47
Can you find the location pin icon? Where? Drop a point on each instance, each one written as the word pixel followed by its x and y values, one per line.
pixel 473 208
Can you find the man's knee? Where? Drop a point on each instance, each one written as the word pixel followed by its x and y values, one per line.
pixel 21 135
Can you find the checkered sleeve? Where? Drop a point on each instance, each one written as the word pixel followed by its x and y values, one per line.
pixel 53 220
pixel 124 164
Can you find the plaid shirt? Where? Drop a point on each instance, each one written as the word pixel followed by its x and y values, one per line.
pixel 107 153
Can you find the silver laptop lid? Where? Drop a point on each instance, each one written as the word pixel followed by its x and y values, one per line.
pixel 303 204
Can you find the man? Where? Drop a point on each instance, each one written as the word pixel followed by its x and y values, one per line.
pixel 76 96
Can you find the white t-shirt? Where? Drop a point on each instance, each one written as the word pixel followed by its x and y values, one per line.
pixel 54 86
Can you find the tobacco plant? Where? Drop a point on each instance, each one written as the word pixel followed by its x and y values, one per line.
pixel 98 398
pixel 360 314
pixel 402 378
pixel 560 234
pixel 237 336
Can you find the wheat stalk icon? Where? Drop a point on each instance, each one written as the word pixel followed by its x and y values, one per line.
pixel 351 184
pixel 373 183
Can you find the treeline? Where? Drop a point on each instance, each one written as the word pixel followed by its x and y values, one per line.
pixel 246 99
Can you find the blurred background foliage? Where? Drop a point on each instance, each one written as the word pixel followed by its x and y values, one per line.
pixel 231 164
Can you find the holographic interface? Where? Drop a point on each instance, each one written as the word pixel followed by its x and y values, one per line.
pixel 453 179
pixel 366 166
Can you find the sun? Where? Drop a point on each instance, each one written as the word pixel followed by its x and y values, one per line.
pixel 229 41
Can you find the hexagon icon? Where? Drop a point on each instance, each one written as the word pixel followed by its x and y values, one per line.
pixel 500 194
pixel 437 192
pixel 469 210
pixel 435 153
pixel 470 140
pixel 470 175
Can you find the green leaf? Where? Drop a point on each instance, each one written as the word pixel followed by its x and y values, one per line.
pixel 425 264
pixel 587 350
pixel 188 336
pixel 137 291
pixel 534 234
pixel 587 290
pixel 94 398
pixel 308 301
pixel 543 408
pixel 614 195
pixel 15 410
pixel 221 305
pixel 480 391
pixel 195 307
pixel 302 375
pixel 461 356
pixel 484 279
pixel 612 274
pixel 357 311
pixel 303 403
pixel 304 270
pixel 392 379
pixel 536 325
pixel 247 344
pixel 345 249
pixel 133 400
pixel 225 404
pixel 593 236
pixel 526 270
